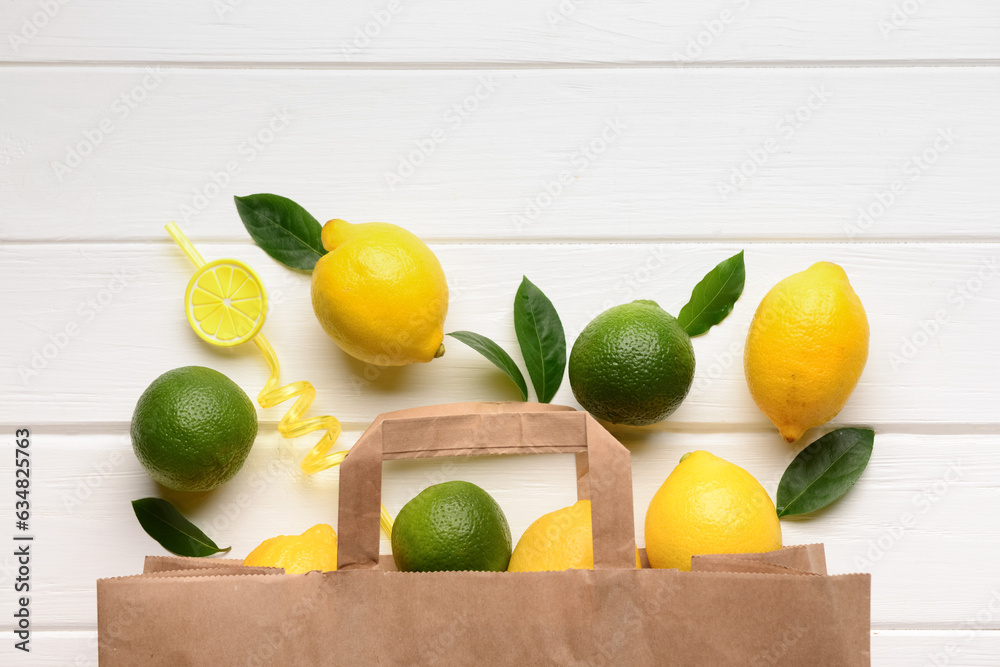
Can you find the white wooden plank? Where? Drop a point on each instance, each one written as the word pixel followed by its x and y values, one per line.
pixel 889 649
pixel 562 31
pixel 957 647
pixel 92 325
pixel 910 520
pixel 885 153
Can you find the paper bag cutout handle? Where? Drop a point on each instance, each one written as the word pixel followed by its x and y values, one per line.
pixel 604 474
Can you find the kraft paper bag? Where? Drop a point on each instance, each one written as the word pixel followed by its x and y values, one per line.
pixel 778 608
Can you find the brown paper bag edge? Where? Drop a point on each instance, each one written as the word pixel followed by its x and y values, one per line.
pixel 165 563
pixel 229 574
pixel 180 566
pixel 806 558
pixel 740 565
pixel 471 407
pixel 206 573
pixel 235 570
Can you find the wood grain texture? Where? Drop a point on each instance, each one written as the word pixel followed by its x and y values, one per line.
pixel 906 521
pixel 93 325
pixel 845 155
pixel 518 32
pixel 610 151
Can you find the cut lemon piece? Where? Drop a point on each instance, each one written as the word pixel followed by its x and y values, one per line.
pixel 225 302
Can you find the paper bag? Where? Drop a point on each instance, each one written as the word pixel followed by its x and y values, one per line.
pixel 779 608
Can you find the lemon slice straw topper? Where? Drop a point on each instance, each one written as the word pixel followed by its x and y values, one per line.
pixel 226 304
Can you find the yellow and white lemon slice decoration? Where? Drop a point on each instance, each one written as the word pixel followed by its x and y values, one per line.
pixel 225 302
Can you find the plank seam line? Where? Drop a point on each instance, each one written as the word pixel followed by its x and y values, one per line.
pixel 562 241
pixel 931 629
pixel 898 63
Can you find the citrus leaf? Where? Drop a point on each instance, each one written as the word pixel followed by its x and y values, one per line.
pixel 497 355
pixel 714 297
pixel 540 335
pixel 283 229
pixel 166 525
pixel 824 471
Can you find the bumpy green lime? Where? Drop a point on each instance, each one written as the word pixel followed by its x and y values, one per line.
pixel 451 526
pixel 193 428
pixel 633 364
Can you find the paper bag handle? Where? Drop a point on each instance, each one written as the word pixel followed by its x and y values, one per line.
pixel 604 474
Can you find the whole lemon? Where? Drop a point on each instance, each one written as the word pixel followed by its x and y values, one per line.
pixel 560 540
pixel 806 349
pixel 633 364
pixel 451 526
pixel 709 506
pixel 315 549
pixel 380 293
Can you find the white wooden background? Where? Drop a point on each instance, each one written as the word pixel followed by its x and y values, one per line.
pixel 118 116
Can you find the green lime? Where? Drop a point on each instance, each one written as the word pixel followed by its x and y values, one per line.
pixel 193 428
pixel 633 364
pixel 451 526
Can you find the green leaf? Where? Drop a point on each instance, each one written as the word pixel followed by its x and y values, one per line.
pixel 824 471
pixel 540 335
pixel 495 354
pixel 713 298
pixel 164 523
pixel 283 229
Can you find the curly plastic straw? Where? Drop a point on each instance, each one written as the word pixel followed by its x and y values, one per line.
pixel 292 425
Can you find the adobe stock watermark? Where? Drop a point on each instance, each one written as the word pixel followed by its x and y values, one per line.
pixel 782 645
pixel 887 196
pixel 443 472
pixel 564 10
pixel 225 7
pixel 285 629
pixel 901 14
pixel 280 287
pixel 633 616
pixel 580 160
pixel 121 108
pixel 721 362
pixel 33 25
pixel 984 619
pixel 787 125
pixel 91 482
pixel 928 497
pixel 632 283
pixel 626 285
pixel 247 151
pixel 422 318
pixel 363 35
pixel 86 312
pixel 928 329
pixel 453 118
pixel 12 148
pixel 256 482
pixel 714 28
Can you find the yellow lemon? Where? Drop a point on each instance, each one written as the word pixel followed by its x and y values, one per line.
pixel 806 348
pixel 380 293
pixel 709 506
pixel 315 549
pixel 560 540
